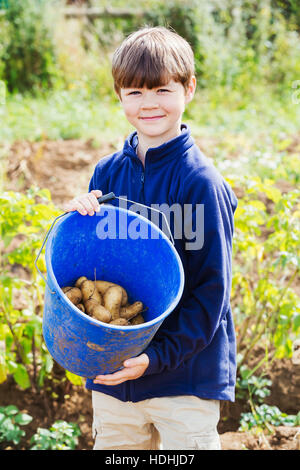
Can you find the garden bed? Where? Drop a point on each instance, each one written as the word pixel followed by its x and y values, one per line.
pixel 56 165
pixel 61 400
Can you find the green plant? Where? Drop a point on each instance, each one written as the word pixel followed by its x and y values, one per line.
pixel 10 421
pixel 27 52
pixel 23 220
pixel 60 436
pixel 179 15
pixel 265 416
pixel 249 384
pixel 267 264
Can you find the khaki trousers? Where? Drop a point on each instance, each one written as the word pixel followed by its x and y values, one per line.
pixel 178 422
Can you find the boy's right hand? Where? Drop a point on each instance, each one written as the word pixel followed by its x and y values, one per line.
pixel 85 204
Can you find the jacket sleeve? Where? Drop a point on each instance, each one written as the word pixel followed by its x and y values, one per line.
pixel 191 327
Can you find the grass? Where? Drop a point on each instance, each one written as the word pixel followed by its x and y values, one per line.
pixel 73 114
pixel 61 114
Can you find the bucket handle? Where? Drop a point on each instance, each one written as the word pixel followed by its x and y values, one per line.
pixel 102 199
pixel 110 196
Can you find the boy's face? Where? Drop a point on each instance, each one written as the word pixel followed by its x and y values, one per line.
pixel 156 113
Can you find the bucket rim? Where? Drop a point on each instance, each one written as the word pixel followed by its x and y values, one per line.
pixel 145 325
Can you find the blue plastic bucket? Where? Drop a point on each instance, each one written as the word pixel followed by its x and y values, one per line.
pixel 119 246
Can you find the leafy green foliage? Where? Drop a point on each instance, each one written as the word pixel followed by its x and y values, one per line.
pixel 291 10
pixel 266 244
pixel 23 353
pixel 175 14
pixel 74 379
pixel 254 42
pixel 60 436
pixel 27 52
pixel 10 421
pixel 264 415
pixel 250 384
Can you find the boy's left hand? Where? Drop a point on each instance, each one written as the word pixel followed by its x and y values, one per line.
pixel 133 369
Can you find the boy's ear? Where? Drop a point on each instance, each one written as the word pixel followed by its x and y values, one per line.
pixel 189 95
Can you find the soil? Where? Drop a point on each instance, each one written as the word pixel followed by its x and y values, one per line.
pixel 65 167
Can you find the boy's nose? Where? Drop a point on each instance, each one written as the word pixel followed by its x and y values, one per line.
pixel 149 102
pixel 149 105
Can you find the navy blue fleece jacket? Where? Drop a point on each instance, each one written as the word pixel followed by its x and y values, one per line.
pixel 194 350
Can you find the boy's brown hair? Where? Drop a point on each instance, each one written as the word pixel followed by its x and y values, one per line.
pixel 151 57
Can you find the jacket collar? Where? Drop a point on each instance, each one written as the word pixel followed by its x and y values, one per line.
pixel 170 149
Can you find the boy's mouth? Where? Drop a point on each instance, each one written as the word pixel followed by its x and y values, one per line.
pixel 151 118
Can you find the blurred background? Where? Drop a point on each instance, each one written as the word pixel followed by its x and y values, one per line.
pixel 247 56
pixel 59 115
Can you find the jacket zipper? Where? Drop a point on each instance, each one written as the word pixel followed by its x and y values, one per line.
pixel 142 184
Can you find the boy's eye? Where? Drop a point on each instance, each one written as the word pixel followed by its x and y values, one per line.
pixel 134 92
pixel 163 90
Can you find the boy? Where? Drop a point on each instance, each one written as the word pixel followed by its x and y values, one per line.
pixel 169 394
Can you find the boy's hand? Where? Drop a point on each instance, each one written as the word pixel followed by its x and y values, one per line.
pixel 133 369
pixel 85 204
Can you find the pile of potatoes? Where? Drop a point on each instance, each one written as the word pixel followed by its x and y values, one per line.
pixel 104 301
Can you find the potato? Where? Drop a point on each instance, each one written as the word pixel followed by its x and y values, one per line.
pixel 80 281
pixel 120 322
pixel 137 320
pixel 124 297
pixel 89 291
pixel 112 299
pixel 97 311
pixel 74 294
pixel 81 307
pixel 66 288
pixel 102 287
pixel 131 310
